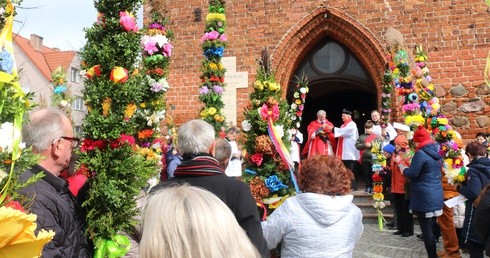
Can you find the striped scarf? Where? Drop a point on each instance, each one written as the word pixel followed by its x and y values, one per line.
pixel 202 164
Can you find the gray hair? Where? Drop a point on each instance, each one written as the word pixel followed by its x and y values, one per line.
pixel 222 150
pixel 194 137
pixel 321 112
pixel 179 221
pixel 45 125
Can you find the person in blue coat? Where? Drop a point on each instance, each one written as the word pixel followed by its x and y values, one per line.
pixel 426 194
pixel 477 177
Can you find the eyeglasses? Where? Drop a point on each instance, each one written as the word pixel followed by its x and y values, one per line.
pixel 74 140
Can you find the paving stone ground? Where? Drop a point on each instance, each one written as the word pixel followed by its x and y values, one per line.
pixel 380 244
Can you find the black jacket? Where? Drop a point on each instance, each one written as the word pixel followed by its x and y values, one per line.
pixel 481 220
pixel 56 209
pixel 235 194
pixel 478 176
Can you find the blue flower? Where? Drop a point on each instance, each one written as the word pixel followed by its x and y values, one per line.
pixel 6 61
pixel 214 51
pixel 59 89
pixel 274 184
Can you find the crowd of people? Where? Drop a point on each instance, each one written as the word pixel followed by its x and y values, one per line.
pixel 201 208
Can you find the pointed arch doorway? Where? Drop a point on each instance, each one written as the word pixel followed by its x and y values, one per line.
pixel 337 80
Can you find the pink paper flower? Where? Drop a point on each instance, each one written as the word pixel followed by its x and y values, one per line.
pixel 149 45
pixel 213 35
pixel 127 21
pixel 167 49
pixel 223 37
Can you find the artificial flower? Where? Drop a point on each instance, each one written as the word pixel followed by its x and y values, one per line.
pixel 17 234
pixel 119 74
pixel 274 184
pixel 149 44
pixel 106 106
pixel 246 126
pixel 129 111
pixel 212 111
pixel 127 21
pixel 59 89
pixel 6 61
pixel 93 71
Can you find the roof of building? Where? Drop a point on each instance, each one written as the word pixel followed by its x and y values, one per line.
pixel 47 59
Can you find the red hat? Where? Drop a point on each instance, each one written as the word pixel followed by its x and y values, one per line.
pixel 421 135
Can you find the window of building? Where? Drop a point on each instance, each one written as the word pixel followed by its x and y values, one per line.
pixel 75 75
pixel 78 103
pixel 78 130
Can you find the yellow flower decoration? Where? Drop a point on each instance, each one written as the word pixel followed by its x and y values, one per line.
pixel 215 16
pixel 213 66
pixel 442 121
pixel 17 237
pixel 259 85
pixel 130 109
pixel 143 105
pixel 204 113
pixel 217 118
pixel 378 196
pixel 106 106
pixel 415 119
pixel 274 86
pixel 212 111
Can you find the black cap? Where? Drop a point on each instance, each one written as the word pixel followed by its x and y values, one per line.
pixel 346 111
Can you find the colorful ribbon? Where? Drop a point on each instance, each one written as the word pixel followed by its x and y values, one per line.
pixel 118 246
pixel 270 116
pixel 262 205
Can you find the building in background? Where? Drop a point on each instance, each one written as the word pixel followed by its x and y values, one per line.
pixel 35 63
pixel 341 47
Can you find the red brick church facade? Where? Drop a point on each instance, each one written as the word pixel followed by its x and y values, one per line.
pixel 455 33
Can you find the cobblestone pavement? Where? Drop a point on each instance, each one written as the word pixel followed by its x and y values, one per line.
pixel 375 243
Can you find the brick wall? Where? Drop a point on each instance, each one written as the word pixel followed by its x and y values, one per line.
pixel 455 33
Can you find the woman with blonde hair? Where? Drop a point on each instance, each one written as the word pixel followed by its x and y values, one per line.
pixel 182 221
pixel 321 221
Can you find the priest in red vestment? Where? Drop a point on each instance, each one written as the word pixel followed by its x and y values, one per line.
pixel 321 141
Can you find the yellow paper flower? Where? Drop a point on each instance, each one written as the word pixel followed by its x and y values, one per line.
pixel 106 106
pixel 274 86
pixel 213 66
pixel 215 16
pixel 204 113
pixel 259 85
pixel 17 237
pixel 378 196
pixel 442 121
pixel 130 109
pixel 212 111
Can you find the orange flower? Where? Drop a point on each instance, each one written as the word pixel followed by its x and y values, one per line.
pixel 378 189
pixel 147 133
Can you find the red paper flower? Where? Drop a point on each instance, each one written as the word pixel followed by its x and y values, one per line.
pixel 377 178
pixel 88 145
pixel 93 71
pixel 15 205
pixel 257 159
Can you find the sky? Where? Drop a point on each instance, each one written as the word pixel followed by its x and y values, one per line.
pixel 59 22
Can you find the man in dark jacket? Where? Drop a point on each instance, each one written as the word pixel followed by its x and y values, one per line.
pixel 199 168
pixel 50 134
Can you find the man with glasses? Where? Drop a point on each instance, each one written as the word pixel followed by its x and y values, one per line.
pixel 50 134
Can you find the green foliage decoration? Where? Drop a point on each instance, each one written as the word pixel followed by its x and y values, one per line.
pixel 263 162
pixel 119 149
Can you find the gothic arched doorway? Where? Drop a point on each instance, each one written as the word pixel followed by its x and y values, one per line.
pixel 337 80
